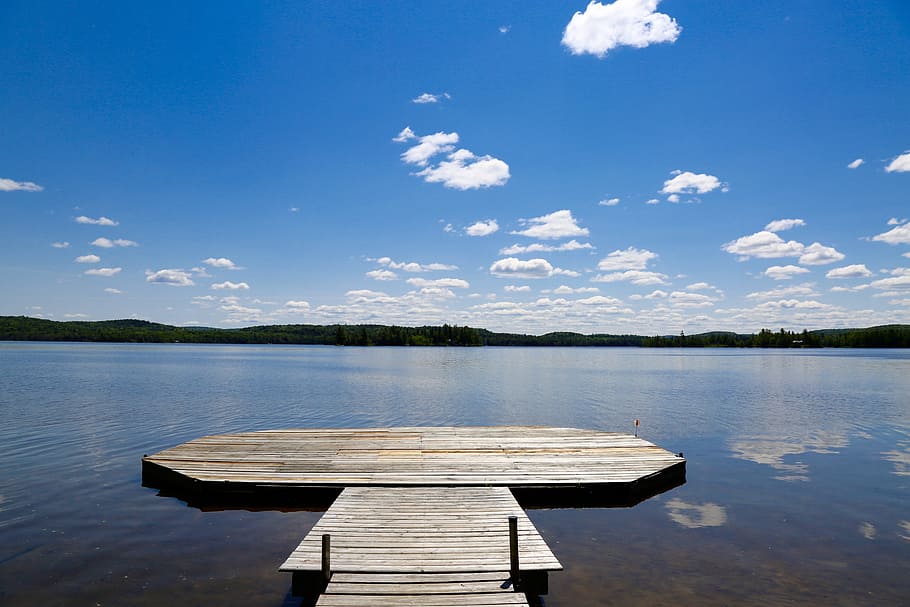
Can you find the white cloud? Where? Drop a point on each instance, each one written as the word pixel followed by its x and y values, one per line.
pixel 657 294
pixel 690 183
pixel 856 163
pixel 611 202
pixel 793 304
pixel 899 282
pixel 604 27
pixel 100 221
pixel 482 228
pixel 816 254
pixel 448 228
pixel 562 272
pixel 297 306
pixel 107 243
pixel 456 283
pixel 897 235
pixel 636 277
pixel 894 221
pixel 858 270
pixel 907 254
pixel 567 290
pixel 804 290
pixel 428 146
pixel 629 259
pixel 430 98
pixel 700 286
pixel 516 289
pixel 175 278
pixel 653 201
pixel 764 245
pixel 465 171
pixel 684 299
pixel 106 272
pixel 901 164
pixel 60 245
pixel 780 225
pixel 406 134
pixel 113 291
pixel 572 245
pixel 413 266
pixel 558 224
pixel 511 267
pixel 230 286
pixel 8 185
pixel 221 262
pixel 79 315
pixel 382 275
pixel 784 272
pixel 87 259
pixel 505 29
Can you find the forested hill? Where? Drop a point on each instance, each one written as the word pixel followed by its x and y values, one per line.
pixel 22 328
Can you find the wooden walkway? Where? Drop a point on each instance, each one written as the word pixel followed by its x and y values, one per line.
pixel 422 518
pixel 496 456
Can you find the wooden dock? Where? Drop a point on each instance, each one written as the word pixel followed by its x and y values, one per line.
pixel 422 515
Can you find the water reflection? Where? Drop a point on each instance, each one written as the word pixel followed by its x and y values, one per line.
pixel 693 516
pixel 900 457
pixel 771 451
pixel 905 525
pixel 867 530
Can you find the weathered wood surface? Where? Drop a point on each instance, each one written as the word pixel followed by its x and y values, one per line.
pixel 422 530
pixel 485 456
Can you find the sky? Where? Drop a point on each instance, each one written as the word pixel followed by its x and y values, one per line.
pixel 640 166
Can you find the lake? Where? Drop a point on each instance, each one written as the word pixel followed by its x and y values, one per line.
pixel 797 493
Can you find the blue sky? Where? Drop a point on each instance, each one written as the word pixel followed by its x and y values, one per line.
pixel 635 167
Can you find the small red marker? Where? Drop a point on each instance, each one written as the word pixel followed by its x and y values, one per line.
pixel 637 424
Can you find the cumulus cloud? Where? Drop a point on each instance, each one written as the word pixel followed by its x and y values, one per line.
pixel 8 185
pixel 636 277
pixel 685 299
pixel 816 254
pixel 382 274
pixel 567 290
pixel 700 286
pixel 572 245
pixel 784 272
pixel 628 259
pixel 653 201
pixel 894 221
pixel 230 286
pixel 106 272
pixel 609 202
pixel 779 225
pixel 107 243
pixel 413 266
pixel 516 289
pixel 858 270
pixel 901 164
pixel 465 171
pixel 511 267
pixel 806 289
pixel 686 182
pixel 430 98
pixel 897 235
pixel 87 259
pixel 604 27
pixel 297 306
pixel 60 245
pixel 856 163
pixel 172 277
pixel 482 228
pixel 899 282
pixel 505 29
pixel 456 283
pixel 764 245
pixel 221 262
pixel 558 224
pixel 461 170
pixel 113 291
pixel 99 221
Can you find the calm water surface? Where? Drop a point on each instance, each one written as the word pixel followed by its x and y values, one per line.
pixel 798 487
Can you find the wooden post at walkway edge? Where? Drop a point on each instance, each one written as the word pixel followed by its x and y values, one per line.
pixel 514 568
pixel 327 556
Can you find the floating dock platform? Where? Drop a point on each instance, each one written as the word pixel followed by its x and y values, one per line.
pixel 419 516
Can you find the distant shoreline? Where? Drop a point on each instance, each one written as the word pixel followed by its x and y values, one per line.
pixel 23 328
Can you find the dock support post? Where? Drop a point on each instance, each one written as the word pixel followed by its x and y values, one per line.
pixel 327 557
pixel 514 567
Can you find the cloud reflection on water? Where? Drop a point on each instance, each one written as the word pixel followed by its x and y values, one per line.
pixel 771 451
pixel 693 516
pixel 867 530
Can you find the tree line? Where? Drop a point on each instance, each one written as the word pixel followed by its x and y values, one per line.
pixel 22 328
